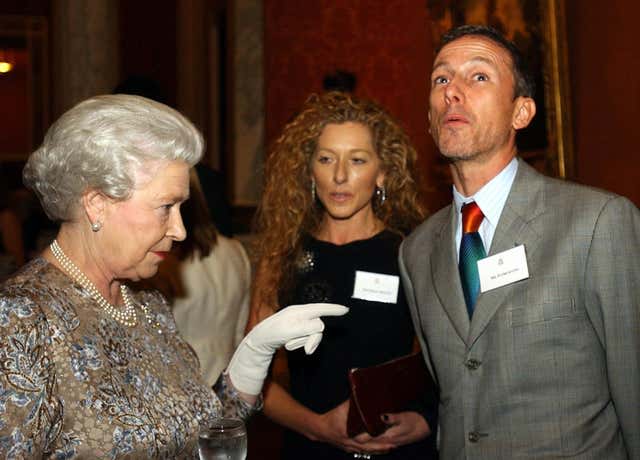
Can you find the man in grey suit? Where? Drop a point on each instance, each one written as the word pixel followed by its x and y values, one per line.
pixel 536 347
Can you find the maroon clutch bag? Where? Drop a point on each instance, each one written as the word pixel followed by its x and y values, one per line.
pixel 385 388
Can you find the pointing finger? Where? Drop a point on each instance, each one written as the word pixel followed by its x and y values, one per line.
pixel 312 310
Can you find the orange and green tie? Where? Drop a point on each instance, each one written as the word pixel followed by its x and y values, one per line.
pixel 471 250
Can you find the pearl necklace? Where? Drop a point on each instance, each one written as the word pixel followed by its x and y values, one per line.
pixel 126 317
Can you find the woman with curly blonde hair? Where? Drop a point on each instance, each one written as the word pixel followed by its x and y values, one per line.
pixel 339 196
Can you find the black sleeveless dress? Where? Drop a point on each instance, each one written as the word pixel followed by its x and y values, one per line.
pixel 371 333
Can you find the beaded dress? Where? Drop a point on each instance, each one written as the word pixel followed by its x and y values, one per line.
pixel 75 383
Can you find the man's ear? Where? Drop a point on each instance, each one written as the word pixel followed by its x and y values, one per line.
pixel 525 110
pixel 94 203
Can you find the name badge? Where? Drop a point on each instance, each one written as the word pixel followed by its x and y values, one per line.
pixel 376 287
pixel 504 268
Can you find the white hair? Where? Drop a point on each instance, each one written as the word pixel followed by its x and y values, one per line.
pixel 101 144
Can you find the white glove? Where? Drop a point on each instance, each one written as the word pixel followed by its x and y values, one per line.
pixel 293 327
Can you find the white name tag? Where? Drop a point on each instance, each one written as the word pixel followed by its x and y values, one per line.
pixel 376 287
pixel 502 269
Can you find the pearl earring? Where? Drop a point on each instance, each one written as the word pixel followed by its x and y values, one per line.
pixel 96 226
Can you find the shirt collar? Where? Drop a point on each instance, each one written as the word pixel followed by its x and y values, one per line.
pixel 492 196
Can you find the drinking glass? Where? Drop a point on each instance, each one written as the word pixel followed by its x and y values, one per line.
pixel 223 439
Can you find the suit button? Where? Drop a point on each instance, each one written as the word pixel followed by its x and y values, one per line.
pixel 472 364
pixel 474 436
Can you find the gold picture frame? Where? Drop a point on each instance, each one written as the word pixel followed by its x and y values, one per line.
pixel 557 89
pixel 538 27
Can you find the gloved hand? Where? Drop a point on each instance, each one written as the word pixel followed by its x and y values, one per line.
pixel 293 327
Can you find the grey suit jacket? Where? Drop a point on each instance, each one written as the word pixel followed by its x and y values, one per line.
pixel 549 366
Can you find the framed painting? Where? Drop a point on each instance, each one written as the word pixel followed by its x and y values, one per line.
pixel 538 29
pixel 24 81
pixel 245 109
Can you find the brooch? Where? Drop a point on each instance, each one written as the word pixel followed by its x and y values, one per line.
pixel 305 262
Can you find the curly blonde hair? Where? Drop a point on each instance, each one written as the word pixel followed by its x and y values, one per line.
pixel 287 210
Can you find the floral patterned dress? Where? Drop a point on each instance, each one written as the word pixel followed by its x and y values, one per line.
pixel 74 383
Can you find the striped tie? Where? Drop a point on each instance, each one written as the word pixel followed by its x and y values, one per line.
pixel 471 250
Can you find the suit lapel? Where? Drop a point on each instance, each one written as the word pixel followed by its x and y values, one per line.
pixel 515 227
pixel 444 270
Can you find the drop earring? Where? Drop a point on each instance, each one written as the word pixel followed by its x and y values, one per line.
pixel 381 193
pixel 313 190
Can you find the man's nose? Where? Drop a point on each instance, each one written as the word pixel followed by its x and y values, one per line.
pixel 453 93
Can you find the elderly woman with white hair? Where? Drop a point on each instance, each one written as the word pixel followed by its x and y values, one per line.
pixel 88 367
